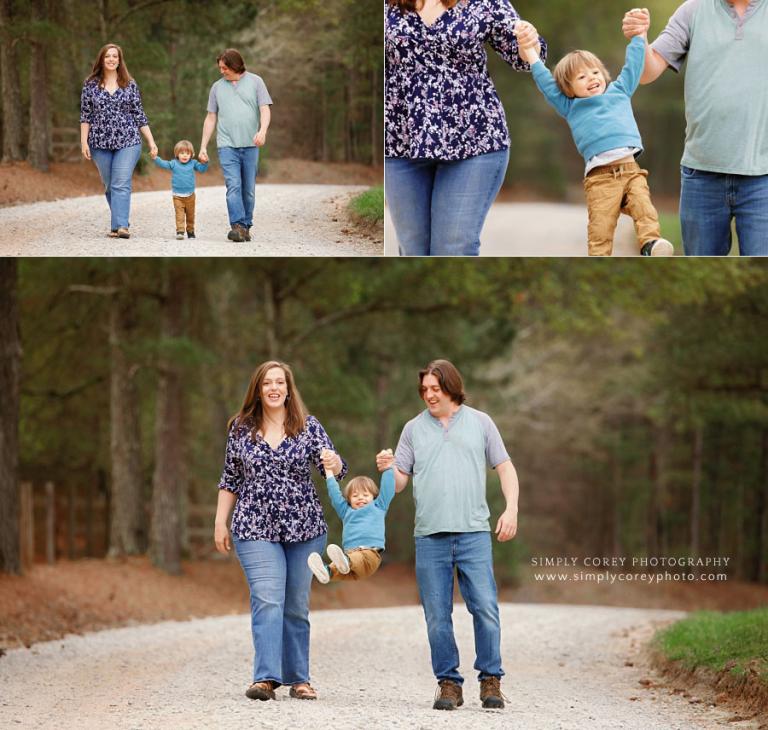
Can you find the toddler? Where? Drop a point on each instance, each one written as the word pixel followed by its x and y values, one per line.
pixel 603 126
pixel 183 169
pixel 362 508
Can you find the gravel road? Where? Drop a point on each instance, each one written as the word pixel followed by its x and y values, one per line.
pixel 537 229
pixel 566 668
pixel 289 220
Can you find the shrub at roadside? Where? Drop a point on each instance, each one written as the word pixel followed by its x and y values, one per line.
pixel 368 207
pixel 728 651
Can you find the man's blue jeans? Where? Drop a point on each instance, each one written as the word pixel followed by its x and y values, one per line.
pixel 279 581
pixel 439 207
pixel 469 554
pixel 240 166
pixel 708 203
pixel 116 171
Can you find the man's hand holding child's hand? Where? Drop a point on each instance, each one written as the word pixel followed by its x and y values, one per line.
pixel 527 41
pixel 385 460
pixel 636 22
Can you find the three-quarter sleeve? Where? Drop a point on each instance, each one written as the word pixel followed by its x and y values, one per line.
pixel 319 441
pixel 137 108
pixel 86 105
pixel 232 475
pixel 502 34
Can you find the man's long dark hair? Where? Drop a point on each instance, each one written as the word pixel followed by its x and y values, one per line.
pixel 451 382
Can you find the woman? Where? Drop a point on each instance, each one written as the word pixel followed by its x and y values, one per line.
pixel 278 522
pixel 111 117
pixel 447 144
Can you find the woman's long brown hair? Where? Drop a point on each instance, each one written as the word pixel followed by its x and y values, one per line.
pixel 97 72
pixel 412 4
pixel 251 414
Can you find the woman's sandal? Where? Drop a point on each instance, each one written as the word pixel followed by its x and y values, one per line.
pixel 303 691
pixel 261 690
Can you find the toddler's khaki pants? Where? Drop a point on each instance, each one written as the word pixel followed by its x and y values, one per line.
pixel 617 188
pixel 363 562
pixel 185 208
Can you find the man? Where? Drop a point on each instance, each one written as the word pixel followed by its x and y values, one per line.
pixel 445 449
pixel 238 105
pixel 725 163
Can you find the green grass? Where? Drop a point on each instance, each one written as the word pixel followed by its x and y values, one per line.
pixel 369 205
pixel 670 229
pixel 712 640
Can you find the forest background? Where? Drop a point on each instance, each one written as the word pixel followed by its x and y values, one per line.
pixel 544 160
pixel 632 398
pixel 321 60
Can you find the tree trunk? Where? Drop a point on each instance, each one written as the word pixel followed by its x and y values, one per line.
pixel 10 87
pixel 654 525
pixel 698 454
pixel 762 514
pixel 377 141
pixel 168 484
pixel 272 316
pixel 10 366
pixel 128 523
pixel 39 128
pixel 616 495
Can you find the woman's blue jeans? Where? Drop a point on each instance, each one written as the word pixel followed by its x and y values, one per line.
pixel 279 580
pixel 708 203
pixel 116 170
pixel 240 165
pixel 439 207
pixel 469 555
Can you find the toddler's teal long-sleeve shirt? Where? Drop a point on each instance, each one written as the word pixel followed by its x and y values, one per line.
pixel 182 175
pixel 605 122
pixel 363 527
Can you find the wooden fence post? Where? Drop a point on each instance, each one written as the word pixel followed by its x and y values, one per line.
pixel 27 526
pixel 50 523
pixel 71 522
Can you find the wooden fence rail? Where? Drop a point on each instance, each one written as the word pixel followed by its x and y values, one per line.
pixel 56 522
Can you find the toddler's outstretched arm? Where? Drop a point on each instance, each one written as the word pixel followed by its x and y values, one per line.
pixel 160 162
pixel 541 74
pixel 527 41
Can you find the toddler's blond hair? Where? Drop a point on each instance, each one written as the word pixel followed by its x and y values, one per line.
pixel 184 145
pixel 360 484
pixel 571 64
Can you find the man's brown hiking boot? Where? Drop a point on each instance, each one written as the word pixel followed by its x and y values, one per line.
pixel 490 693
pixel 261 690
pixel 448 695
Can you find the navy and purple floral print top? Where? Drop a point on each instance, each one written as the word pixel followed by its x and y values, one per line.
pixel 276 499
pixel 440 102
pixel 115 118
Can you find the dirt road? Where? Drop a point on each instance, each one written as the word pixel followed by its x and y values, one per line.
pixel 566 667
pixel 537 229
pixel 289 220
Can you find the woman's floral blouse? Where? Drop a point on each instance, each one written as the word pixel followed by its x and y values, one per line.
pixel 276 499
pixel 115 118
pixel 440 101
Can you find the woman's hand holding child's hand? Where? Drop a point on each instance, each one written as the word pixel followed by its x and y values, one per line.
pixel 527 41
pixel 330 461
pixel 385 460
pixel 636 22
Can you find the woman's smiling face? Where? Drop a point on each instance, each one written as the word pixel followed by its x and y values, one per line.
pixel 111 59
pixel 274 388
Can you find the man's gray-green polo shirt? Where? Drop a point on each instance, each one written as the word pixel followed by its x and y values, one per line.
pixel 726 97
pixel 237 105
pixel 448 465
